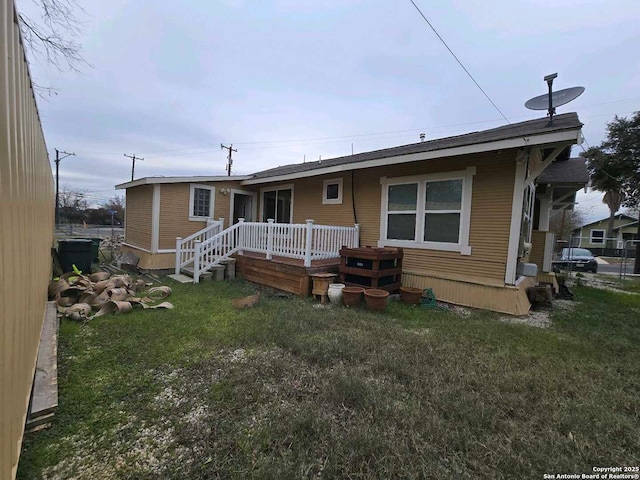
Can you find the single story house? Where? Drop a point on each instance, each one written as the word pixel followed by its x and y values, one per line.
pixel 462 208
pixel 593 236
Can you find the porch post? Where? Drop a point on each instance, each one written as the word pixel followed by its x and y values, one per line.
pixel 178 254
pixel 356 239
pixel 241 235
pixel 221 219
pixel 196 261
pixel 269 238
pixel 546 204
pixel 307 250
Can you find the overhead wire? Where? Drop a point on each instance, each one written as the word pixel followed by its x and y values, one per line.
pixel 460 62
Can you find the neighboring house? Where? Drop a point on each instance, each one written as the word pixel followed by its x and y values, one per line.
pixel 593 236
pixel 461 207
pixel 26 237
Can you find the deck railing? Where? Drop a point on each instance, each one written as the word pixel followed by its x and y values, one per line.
pixel 185 247
pixel 307 242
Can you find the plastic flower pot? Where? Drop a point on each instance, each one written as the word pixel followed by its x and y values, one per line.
pixel 352 296
pixel 335 293
pixel 410 295
pixel 376 299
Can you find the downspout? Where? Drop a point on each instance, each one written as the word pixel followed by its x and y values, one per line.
pixel 353 198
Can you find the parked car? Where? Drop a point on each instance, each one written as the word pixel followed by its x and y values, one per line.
pixel 580 259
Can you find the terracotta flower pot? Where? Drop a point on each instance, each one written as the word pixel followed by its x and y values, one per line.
pixel 376 298
pixel 410 295
pixel 352 296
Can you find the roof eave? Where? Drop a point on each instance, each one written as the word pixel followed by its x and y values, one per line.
pixel 570 135
pixel 158 180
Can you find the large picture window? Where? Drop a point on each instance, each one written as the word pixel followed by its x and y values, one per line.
pixel 428 211
pixel 277 204
pixel 201 202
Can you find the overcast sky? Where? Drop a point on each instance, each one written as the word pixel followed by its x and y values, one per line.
pixel 285 79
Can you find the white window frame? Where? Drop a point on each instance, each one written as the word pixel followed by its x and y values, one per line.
pixel 288 186
pixel 601 239
pixel 332 201
pixel 462 246
pixel 212 204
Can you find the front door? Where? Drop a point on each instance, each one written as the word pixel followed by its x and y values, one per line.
pixel 242 207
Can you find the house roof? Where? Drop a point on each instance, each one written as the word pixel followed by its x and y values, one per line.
pixel 195 179
pixel 630 224
pixel 566 172
pixel 522 131
pixel 565 129
pixel 619 216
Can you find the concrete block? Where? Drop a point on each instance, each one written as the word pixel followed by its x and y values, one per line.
pixel 230 268
pixel 217 273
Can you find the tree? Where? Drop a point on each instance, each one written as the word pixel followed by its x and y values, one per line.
pixel 564 222
pixel 614 166
pixel 613 199
pixel 51 35
pixel 115 204
pixel 73 206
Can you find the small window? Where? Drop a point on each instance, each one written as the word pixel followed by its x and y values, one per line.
pixel 332 191
pixel 597 236
pixel 201 201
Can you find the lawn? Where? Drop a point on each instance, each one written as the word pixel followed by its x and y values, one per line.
pixel 290 390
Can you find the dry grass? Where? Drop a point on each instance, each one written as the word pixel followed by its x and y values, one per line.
pixel 287 390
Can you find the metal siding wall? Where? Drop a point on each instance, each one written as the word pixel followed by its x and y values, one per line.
pixel 174 215
pixel 490 212
pixel 138 210
pixel 26 236
pixel 174 211
pixel 490 215
pixel 307 201
pixel 504 299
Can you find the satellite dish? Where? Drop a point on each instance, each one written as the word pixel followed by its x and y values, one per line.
pixel 558 98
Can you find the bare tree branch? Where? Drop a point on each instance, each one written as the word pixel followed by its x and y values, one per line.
pixel 53 36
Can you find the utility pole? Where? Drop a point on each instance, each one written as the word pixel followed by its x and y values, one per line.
pixel 133 165
pixel 231 150
pixel 58 158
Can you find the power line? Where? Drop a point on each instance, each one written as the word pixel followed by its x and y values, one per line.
pixel 360 135
pixel 459 62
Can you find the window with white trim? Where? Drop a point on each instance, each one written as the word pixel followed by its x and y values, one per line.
pixel 597 237
pixel 427 211
pixel 332 191
pixel 201 202
pixel 277 203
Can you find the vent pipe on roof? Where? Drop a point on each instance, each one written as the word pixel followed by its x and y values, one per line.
pixel 422 137
pixel 320 159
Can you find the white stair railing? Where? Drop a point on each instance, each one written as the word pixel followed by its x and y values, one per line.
pixel 212 251
pixel 185 247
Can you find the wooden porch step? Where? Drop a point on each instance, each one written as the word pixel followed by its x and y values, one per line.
pixel 44 397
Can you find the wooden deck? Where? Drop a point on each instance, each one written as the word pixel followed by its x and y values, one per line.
pixel 283 273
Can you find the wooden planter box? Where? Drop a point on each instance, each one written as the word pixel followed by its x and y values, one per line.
pixel 371 267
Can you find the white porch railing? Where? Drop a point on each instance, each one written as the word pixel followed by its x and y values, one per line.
pixel 307 242
pixel 185 247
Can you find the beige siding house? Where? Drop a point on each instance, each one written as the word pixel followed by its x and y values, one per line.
pixel 26 237
pixel 462 207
